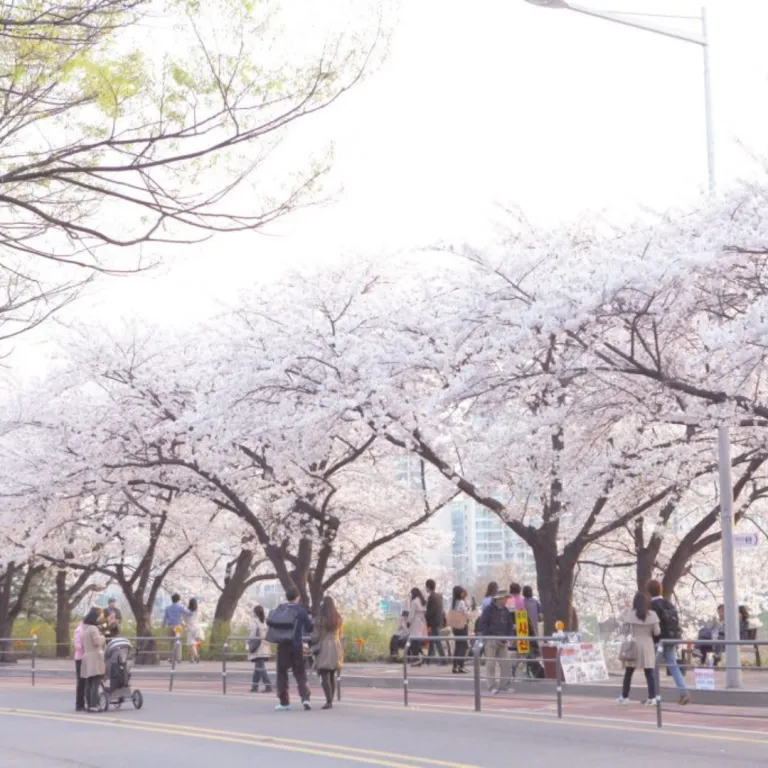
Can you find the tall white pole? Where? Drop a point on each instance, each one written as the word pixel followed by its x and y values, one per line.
pixel 711 175
pixel 730 591
pixel 730 604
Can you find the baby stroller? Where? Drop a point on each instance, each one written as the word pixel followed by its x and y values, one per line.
pixel 119 657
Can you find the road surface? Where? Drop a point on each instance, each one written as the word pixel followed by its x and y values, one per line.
pixel 39 729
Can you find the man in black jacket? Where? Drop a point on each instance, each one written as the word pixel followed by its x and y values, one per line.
pixel 291 621
pixel 497 621
pixel 435 615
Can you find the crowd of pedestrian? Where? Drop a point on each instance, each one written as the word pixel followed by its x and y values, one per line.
pixel 303 642
pixel 428 623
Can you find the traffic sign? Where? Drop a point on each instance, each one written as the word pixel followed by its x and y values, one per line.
pixel 745 540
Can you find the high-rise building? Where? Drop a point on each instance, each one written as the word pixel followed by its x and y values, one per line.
pixel 481 544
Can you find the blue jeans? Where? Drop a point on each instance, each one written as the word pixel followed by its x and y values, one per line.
pixel 436 646
pixel 670 659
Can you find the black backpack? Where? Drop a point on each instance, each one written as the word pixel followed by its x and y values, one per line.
pixel 281 624
pixel 669 620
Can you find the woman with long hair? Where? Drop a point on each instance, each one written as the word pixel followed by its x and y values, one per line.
pixel 194 633
pixel 640 625
pixel 417 623
pixel 329 657
pixel 458 620
pixel 258 651
pixel 92 667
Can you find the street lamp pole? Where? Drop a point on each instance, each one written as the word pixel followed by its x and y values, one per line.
pixel 636 21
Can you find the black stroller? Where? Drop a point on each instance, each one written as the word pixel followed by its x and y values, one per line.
pixel 119 657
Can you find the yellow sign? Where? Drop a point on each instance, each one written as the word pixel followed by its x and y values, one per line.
pixel 521 622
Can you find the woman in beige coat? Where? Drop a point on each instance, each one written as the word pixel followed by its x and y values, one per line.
pixel 641 624
pixel 329 657
pixel 92 668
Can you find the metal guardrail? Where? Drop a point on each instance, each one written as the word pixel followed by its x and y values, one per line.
pixel 716 643
pixel 31 646
pixel 476 645
pixel 226 655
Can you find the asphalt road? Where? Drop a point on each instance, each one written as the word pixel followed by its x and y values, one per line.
pixel 39 729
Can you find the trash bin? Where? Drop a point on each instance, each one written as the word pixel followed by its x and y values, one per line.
pixel 549 659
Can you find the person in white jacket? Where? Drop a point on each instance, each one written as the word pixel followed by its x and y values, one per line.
pixel 258 651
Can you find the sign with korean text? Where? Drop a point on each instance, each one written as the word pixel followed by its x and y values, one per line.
pixel 521 626
pixel 745 540
pixel 704 679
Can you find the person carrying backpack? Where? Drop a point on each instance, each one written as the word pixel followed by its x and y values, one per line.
pixel 669 624
pixel 286 626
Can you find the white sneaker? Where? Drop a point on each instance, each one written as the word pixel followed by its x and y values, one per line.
pixel 621 700
pixel 651 702
pixel 305 703
pixel 282 708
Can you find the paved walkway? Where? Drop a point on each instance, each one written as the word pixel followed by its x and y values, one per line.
pixel 38 729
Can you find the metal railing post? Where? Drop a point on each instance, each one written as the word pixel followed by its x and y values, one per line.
pixel 559 681
pixel 406 652
pixel 338 685
pixel 224 650
pixel 657 674
pixel 476 650
pixel 174 647
pixel 34 658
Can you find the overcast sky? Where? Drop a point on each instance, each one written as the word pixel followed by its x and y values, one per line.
pixel 488 103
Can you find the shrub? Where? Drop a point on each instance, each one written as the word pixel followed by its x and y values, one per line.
pixel 366 638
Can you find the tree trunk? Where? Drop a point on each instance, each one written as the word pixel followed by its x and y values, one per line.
pixel 146 647
pixel 63 615
pixel 676 569
pixel 555 575
pixel 6 621
pixel 234 588
pixel 8 614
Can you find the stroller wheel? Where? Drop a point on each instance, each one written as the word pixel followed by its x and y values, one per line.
pixel 103 700
pixel 137 699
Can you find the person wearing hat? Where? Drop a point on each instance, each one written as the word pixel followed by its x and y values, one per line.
pixel 496 621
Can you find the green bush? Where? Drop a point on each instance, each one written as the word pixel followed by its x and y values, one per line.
pixel 366 639
pixel 374 634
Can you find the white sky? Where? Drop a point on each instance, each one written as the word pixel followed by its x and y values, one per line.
pixel 487 102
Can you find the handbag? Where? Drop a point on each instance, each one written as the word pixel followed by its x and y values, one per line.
pixel 457 619
pixel 628 650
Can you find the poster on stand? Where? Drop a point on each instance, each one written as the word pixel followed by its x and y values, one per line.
pixel 583 663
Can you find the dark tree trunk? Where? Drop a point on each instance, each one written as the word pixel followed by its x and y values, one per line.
pixel 647 554
pixel 11 605
pixel 63 615
pixel 235 585
pixel 146 646
pixel 6 622
pixel 555 576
